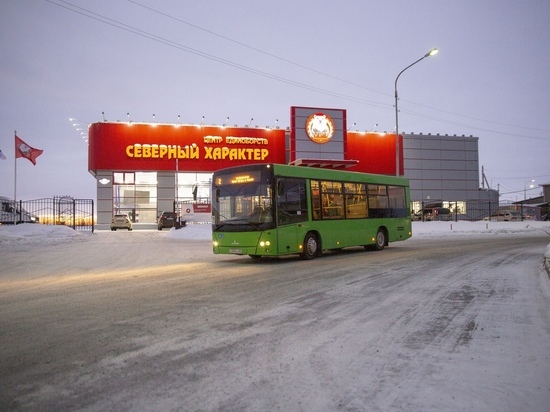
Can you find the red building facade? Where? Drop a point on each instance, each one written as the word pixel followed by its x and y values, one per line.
pixel 317 137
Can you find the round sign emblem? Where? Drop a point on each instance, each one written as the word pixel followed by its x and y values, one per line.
pixel 320 128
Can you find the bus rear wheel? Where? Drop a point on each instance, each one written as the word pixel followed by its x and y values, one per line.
pixel 311 247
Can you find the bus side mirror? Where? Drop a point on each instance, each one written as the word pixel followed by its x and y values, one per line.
pixel 280 188
pixel 217 195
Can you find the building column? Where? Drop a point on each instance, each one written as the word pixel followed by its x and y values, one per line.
pixel 104 206
pixel 166 191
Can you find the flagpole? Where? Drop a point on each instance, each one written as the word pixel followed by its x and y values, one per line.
pixel 14 179
pixel 22 149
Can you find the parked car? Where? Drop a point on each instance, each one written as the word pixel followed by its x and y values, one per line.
pixel 121 221
pixel 504 216
pixel 10 213
pixel 432 213
pixel 169 220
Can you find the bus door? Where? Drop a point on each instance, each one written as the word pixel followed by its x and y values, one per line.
pixel 291 213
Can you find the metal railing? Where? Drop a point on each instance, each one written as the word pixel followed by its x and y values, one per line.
pixel 59 210
pixel 476 210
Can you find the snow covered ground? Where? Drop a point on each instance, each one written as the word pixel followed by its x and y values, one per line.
pixel 31 233
pixel 91 322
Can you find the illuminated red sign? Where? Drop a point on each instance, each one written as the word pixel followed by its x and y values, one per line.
pixel 157 147
pixel 126 146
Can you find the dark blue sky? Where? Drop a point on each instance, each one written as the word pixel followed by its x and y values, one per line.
pixel 243 59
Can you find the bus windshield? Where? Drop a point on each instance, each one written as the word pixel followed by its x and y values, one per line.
pixel 243 201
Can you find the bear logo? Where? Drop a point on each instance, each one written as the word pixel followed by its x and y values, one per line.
pixel 320 128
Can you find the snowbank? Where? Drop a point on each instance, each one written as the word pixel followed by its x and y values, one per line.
pixel 32 233
pixel 439 229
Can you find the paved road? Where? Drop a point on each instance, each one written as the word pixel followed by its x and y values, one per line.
pixel 136 321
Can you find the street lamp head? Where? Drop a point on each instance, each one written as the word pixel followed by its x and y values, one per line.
pixel 432 52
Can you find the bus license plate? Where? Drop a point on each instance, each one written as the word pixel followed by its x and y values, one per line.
pixel 237 251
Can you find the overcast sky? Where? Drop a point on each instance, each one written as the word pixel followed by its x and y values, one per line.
pixel 254 59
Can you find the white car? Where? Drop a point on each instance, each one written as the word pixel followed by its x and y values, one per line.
pixel 504 216
pixel 10 213
pixel 121 221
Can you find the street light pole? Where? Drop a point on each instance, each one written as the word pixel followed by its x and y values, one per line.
pixel 430 53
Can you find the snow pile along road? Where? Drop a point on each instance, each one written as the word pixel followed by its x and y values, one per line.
pixel 27 233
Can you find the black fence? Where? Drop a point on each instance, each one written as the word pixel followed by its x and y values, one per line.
pixel 59 210
pixel 477 210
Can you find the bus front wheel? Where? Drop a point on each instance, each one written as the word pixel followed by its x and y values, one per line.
pixel 380 239
pixel 311 247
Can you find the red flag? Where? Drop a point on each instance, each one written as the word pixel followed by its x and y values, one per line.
pixel 22 149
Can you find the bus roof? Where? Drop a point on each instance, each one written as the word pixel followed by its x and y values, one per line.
pixel 325 174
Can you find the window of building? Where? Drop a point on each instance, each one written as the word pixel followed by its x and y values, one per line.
pixel 135 193
pixel 193 187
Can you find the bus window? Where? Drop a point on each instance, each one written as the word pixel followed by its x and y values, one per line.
pixel 333 204
pixel 397 202
pixel 315 200
pixel 378 201
pixel 291 201
pixel 356 200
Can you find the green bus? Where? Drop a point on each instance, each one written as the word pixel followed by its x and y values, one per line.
pixel 274 209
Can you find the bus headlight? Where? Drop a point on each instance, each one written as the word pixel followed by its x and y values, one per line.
pixel 215 243
pixel 264 244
